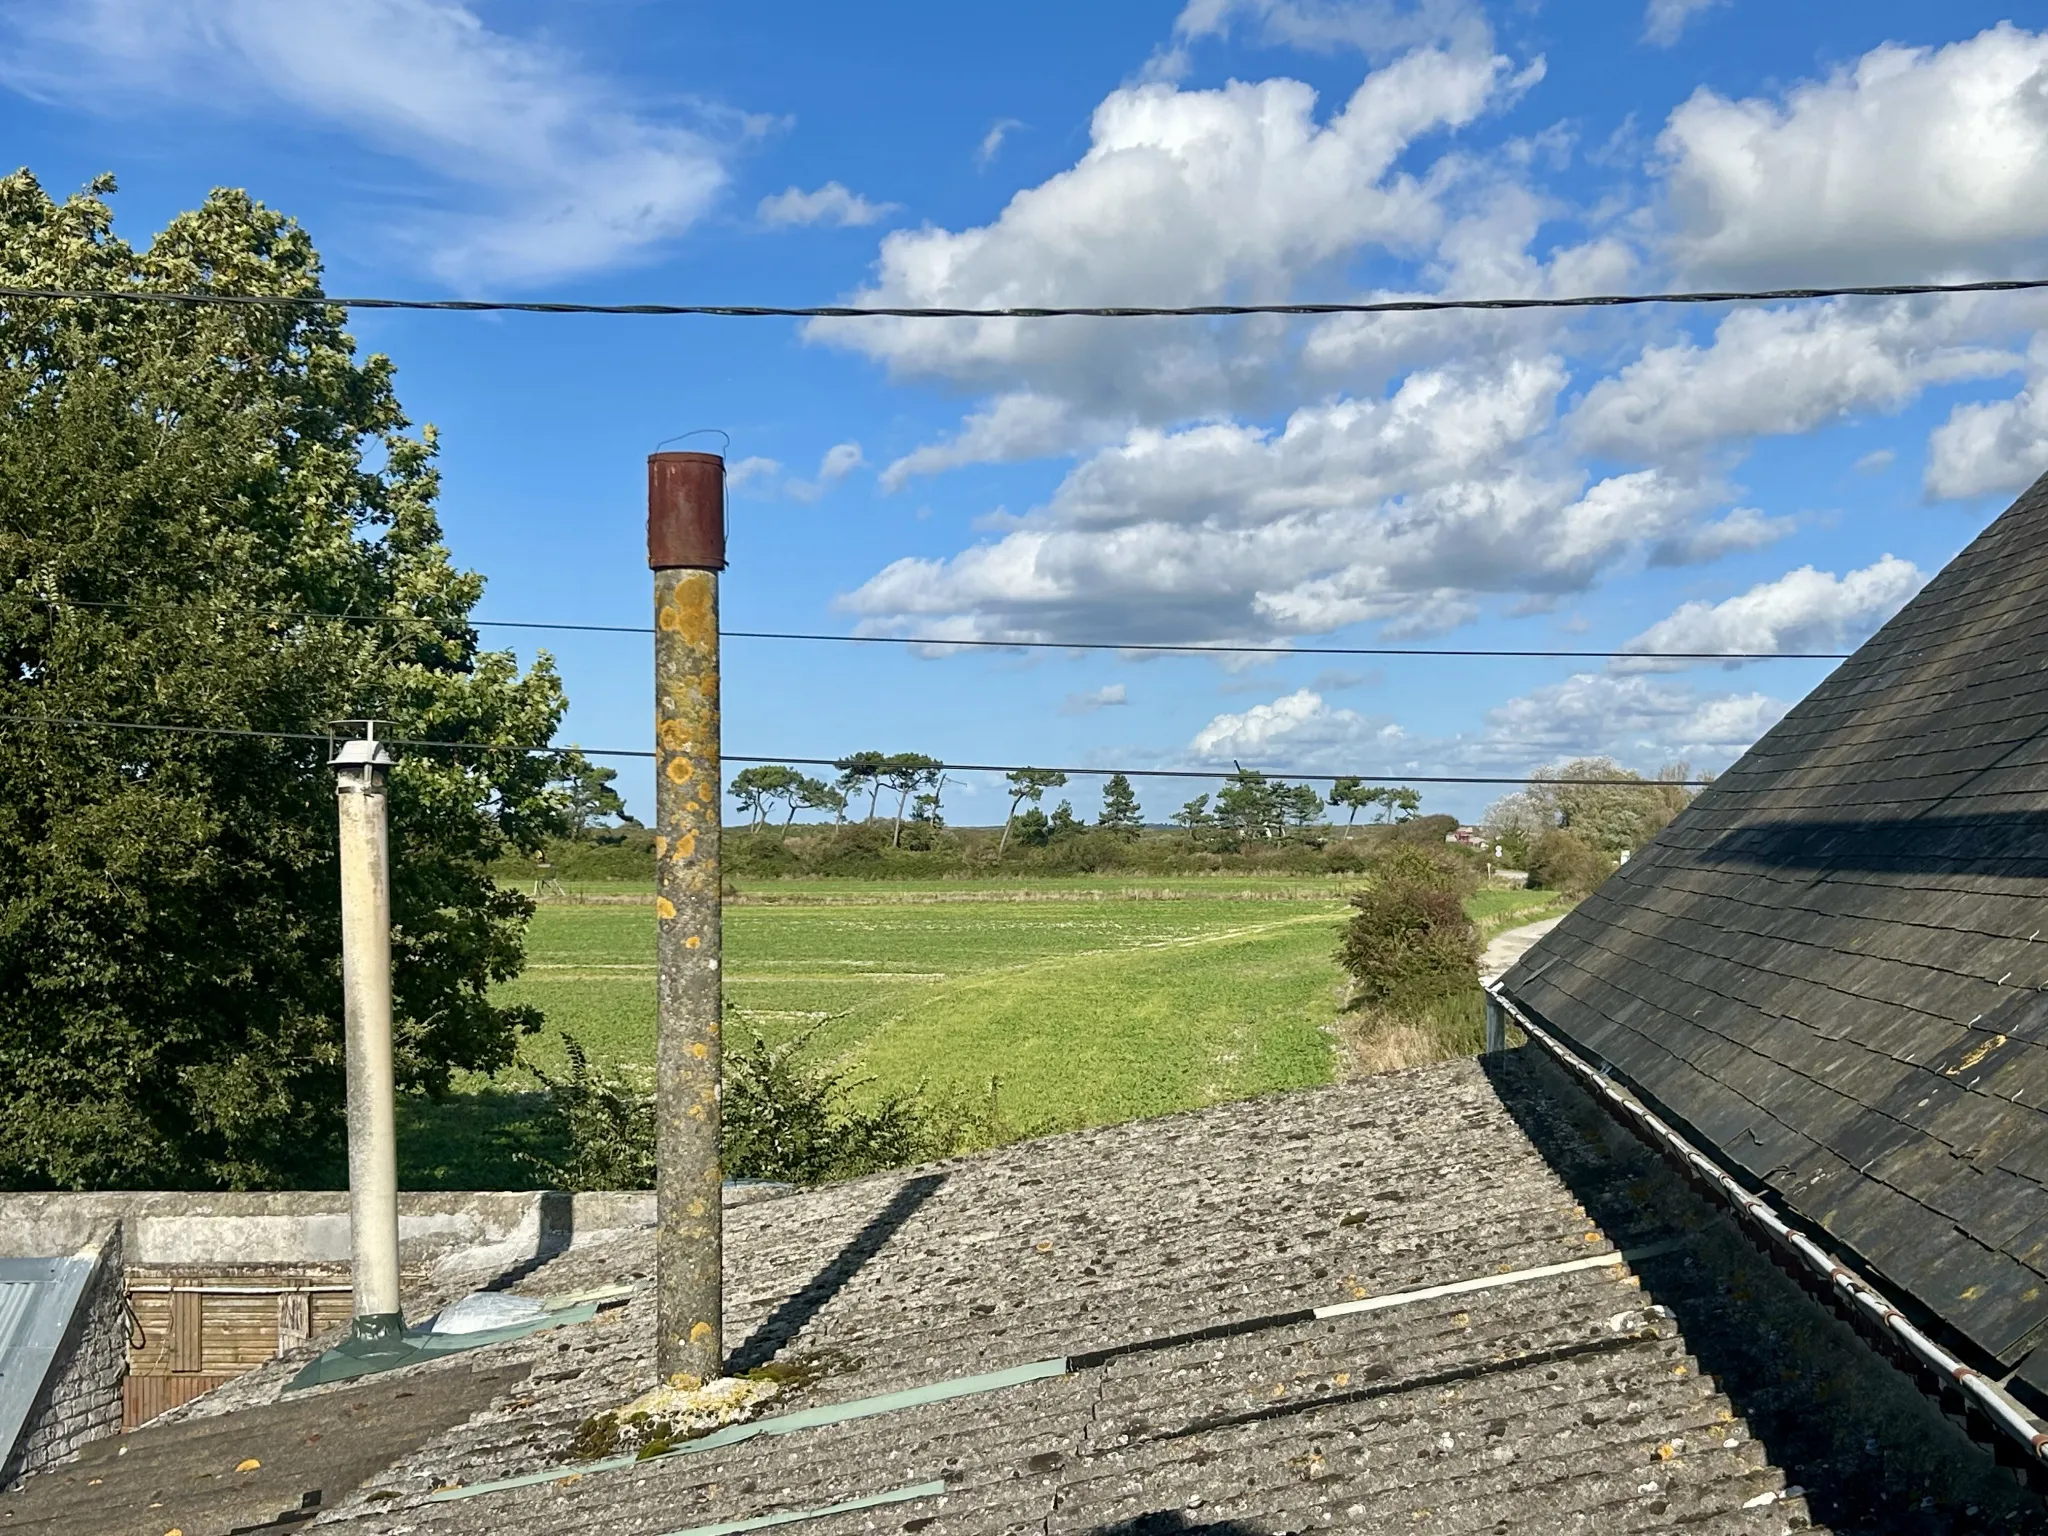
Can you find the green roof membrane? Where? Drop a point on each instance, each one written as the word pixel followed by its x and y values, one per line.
pixel 1833 967
pixel 355 1357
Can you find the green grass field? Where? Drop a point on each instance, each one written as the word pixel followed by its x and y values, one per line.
pixel 1082 1001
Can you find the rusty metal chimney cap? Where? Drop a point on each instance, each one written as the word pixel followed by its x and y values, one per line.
pixel 686 511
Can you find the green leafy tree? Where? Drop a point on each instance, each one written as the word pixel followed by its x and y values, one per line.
pixel 1063 822
pixel 1034 830
pixel 1027 784
pixel 862 771
pixel 908 773
pixel 586 794
pixel 755 790
pixel 1355 795
pixel 1194 816
pixel 179 488
pixel 1602 804
pixel 1250 805
pixel 817 795
pixel 1400 802
pixel 1121 812
pixel 1301 806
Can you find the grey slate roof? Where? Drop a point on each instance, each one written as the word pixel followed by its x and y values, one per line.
pixel 1832 966
pixel 1682 1396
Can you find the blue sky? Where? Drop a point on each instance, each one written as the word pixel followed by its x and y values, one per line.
pixel 1771 479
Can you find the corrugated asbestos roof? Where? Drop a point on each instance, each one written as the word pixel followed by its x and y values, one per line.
pixel 1832 966
pixel 37 1300
pixel 1170 1263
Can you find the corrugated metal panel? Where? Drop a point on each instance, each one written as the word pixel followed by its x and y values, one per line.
pixel 37 1300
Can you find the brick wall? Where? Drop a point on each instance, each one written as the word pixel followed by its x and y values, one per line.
pixel 81 1397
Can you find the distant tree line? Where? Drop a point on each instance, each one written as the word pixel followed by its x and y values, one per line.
pixel 1250 807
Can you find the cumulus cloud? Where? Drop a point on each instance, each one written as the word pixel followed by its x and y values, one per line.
pixel 1803 610
pixel 1019 425
pixel 1601 713
pixel 540 169
pixel 1912 162
pixel 830 205
pixel 1394 510
pixel 1182 196
pixel 1779 371
pixel 1108 696
pixel 1745 528
pixel 1996 446
pixel 1664 21
pixel 1299 727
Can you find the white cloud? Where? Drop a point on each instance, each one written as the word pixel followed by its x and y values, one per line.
pixel 831 205
pixel 1875 462
pixel 992 141
pixel 1779 371
pixel 1106 697
pixel 1020 425
pixel 1373 27
pixel 840 460
pixel 1913 162
pixel 1299 726
pixel 1593 714
pixel 538 168
pixel 750 469
pixel 1394 510
pixel 1664 21
pixel 1995 446
pixel 1181 197
pixel 1803 610
pixel 1745 528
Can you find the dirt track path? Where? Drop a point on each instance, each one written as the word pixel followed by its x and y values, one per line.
pixel 1509 947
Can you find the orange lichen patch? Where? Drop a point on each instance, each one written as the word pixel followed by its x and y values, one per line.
pixel 700 1050
pixel 685 845
pixel 663 907
pixel 1975 1054
pixel 700 1332
pixel 693 942
pixel 678 770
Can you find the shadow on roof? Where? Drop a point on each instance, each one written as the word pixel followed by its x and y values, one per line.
pixel 1991 843
pixel 1850 1428
pixel 787 1320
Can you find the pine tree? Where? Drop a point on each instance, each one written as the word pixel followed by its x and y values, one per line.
pixel 1121 813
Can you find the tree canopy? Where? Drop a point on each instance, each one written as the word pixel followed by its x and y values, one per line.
pixel 179 488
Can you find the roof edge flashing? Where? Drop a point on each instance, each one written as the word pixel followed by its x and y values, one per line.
pixel 1855 1296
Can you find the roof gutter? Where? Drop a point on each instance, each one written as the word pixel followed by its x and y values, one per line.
pixel 1862 1300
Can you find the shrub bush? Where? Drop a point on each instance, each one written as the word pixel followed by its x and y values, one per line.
pixel 601 1126
pixel 785 1118
pixel 1564 861
pixel 1411 943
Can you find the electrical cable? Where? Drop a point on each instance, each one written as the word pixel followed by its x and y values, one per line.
pixel 1016 312
pixel 1193 649
pixel 77 723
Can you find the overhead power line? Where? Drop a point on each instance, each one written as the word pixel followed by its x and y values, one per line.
pixel 1016 312
pixel 1034 645
pixel 234 732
